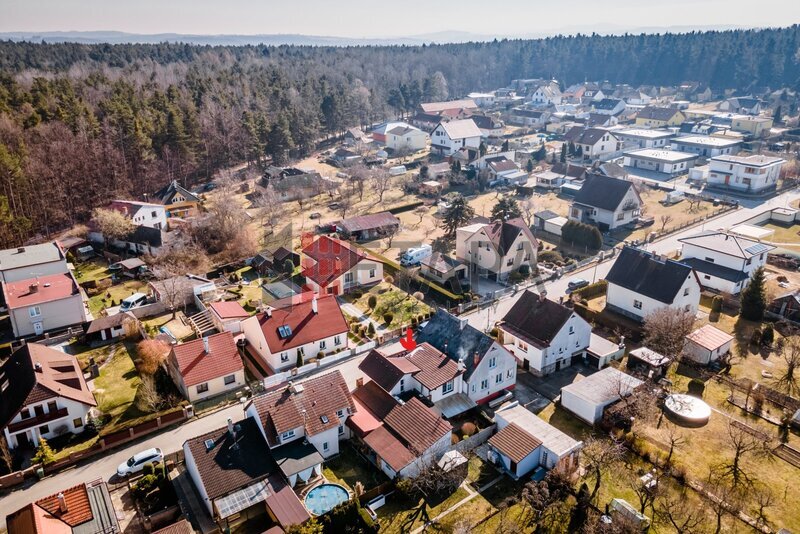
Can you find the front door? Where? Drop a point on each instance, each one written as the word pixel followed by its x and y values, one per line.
pixel 38 328
pixel 22 440
pixel 558 365
pixel 526 364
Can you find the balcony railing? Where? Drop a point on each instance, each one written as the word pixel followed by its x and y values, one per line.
pixel 38 420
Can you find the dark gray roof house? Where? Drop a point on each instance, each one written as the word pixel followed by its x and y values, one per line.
pixel 604 192
pixel 646 274
pixel 535 319
pixel 584 136
pixel 456 338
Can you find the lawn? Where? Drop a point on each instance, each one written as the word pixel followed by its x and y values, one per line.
pixel 394 300
pixel 114 295
pixel 787 237
pixel 397 515
pixel 115 388
pixel 94 269
pixel 678 214
pixel 349 467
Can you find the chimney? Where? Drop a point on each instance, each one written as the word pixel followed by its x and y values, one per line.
pixel 314 308
pixel 476 359
pixel 62 503
pixel 622 342
pixel 38 367
pixel 34 288
pixel 337 263
pixel 543 295
pixel 205 345
pixel 462 366
pixel 268 311
pixel 21 250
pixel 462 323
pixel 359 382
pixel 231 430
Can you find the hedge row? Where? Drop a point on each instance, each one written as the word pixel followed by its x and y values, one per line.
pixel 592 290
pixel 405 207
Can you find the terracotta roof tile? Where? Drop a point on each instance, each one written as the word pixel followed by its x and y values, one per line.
pixel 48 288
pixel 306 326
pixel 196 366
pixel 389 448
pixel 78 507
pixel 331 258
pixel 514 442
pixel 417 425
pixel 228 309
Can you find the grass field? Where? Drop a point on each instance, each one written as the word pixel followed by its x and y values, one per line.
pixel 115 388
pixel 114 295
pixel 393 300
pixel 397 515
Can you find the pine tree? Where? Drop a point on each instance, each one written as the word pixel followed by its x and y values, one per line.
pixel 529 166
pixel 457 215
pixel 754 297
pixel 778 115
pixel 506 209
pixel 563 153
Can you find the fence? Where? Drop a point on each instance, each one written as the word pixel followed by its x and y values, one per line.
pixel 475 440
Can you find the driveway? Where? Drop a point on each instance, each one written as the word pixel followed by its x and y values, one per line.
pixel 549 387
pixel 527 395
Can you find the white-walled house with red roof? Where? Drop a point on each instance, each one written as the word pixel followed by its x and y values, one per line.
pixel 304 326
pixel 332 266
pixel 45 303
pixel 206 367
pixel 227 315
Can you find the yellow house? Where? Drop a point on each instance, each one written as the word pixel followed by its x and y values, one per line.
pixel 653 117
pixel 752 125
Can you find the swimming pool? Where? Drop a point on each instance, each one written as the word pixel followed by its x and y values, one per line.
pixel 323 498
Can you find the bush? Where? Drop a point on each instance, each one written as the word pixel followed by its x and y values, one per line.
pixel 716 304
pixel 469 429
pixel 592 290
pixel 454 439
pixel 755 339
pixel 149 468
pixel 550 256
pixel 372 301
pixel 494 333
pixel 388 317
pixel 696 388
pixel 584 235
pixel 44 454
pixel 768 335
pixel 371 329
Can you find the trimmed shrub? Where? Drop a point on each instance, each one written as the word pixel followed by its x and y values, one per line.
pixel 388 317
pixel 716 304
pixel 494 333
pixel 696 388
pixel 149 468
pixel 768 335
pixel 550 256
pixel 469 429
pixel 371 329
pixel 372 301
pixel 755 339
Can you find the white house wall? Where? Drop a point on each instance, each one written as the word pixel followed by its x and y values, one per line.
pixel 623 299
pixel 54 314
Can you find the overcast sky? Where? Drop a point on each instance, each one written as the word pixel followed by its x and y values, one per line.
pixel 368 18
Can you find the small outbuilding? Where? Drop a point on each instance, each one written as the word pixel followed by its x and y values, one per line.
pixel 648 362
pixel 587 398
pixel 111 327
pixel 707 344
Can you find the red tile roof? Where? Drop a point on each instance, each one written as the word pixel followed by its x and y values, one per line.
pixel 513 441
pixel 417 425
pixel 306 326
pixel 45 516
pixel 427 365
pixel 181 527
pixel 228 309
pixel 284 503
pixel 48 288
pixel 372 403
pixel 78 508
pixel 323 395
pixel 331 258
pixel 386 445
pixel 196 366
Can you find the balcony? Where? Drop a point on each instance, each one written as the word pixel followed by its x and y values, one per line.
pixel 37 420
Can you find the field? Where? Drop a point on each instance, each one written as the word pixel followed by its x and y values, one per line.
pixel 391 299
pixel 114 295
pixel 787 237
pixel 115 388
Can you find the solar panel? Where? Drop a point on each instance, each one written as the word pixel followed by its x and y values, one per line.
pixel 757 249
pixel 242 499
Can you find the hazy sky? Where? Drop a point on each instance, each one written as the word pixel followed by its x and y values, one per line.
pixel 362 18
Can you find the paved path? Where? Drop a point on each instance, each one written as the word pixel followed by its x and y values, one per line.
pixel 363 318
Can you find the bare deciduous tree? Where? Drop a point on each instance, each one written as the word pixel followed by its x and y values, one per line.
pixel 680 512
pixel 528 208
pixel 271 210
pixel 381 180
pixel 148 399
pixel 743 444
pixel 112 223
pixel 665 220
pixel 598 454
pixel 665 330
pixel 789 350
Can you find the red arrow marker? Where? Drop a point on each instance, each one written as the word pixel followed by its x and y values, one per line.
pixel 408 342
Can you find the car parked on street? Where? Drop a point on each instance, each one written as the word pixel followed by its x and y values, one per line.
pixel 136 463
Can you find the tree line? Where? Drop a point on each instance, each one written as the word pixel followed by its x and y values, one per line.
pixel 81 124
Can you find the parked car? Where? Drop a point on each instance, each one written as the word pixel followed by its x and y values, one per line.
pixel 137 300
pixel 136 463
pixel 577 283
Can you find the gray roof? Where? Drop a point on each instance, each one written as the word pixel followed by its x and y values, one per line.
pixel 456 338
pixel 715 269
pixel 296 456
pixel 728 244
pixel 659 114
pixel 643 273
pixel 603 192
pixel 603 386
pixel 551 437
pixel 14 258
pixel 585 136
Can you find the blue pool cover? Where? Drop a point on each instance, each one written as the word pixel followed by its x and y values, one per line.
pixel 322 499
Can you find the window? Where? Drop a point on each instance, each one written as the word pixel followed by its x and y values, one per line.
pixel 322 344
pixel 34 311
pixel 402 384
pixel 571 330
pixel 749 261
pixel 485 383
pixel 348 278
pixel 284 357
pixel 492 362
pixel 77 422
pixel 372 273
pixel 202 388
pixel 153 214
pixel 509 262
pixel 289 434
pixel 52 407
pixel 686 292
pixel 25 414
pixel 706 277
pixel 230 379
pixel 44 429
pixel 637 304
pixel 709 260
pixel 509 373
pixel 337 340
pixel 519 246
pixel 339 413
pixel 325 446
pixel 341 429
pixel 447 387
pixel 498 378
pixel 544 458
pixel 621 216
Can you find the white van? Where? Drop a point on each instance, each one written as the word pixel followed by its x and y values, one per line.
pixel 415 255
pixel 137 300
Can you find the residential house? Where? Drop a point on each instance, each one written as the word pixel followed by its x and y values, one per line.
pixel 496 249
pixel 747 105
pixel 451 106
pixel 746 174
pixel 82 509
pixel 238 480
pixel 607 202
pixel 609 106
pixel 206 367
pixel 356 136
pixel 641 282
pixel 42 395
pixel 300 330
pixel 406 138
pixel 544 335
pixel 546 95
pixel 110 328
pixel 178 201
pixel 292 184
pixel 344 157
pixel 633 138
pixel 227 315
pixel 659 162
pixel 424 372
pixel 30 261
pixel 599 120
pixel 501 168
pixel 441 268
pixel 490 370
pixel 723 261
pixel 594 143
pixel 655 117
pixel 333 266
pixel 438 170
pixel 447 138
pixel 524 442
pixel 275 260
pixel 425 121
pixel 532 118
pixel 706 146
pixel 141 240
pixel 488 125
pixel 367 227
pixel 707 344
pixel 307 418
pixel 588 397
pixel 483 100
pixel 45 303
pixel 755 126
pixel 146 214
pixel 569 171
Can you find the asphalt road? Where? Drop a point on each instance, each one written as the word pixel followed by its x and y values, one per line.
pixel 172 440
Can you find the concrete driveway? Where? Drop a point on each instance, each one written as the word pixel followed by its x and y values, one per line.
pixel 550 386
pixel 527 395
